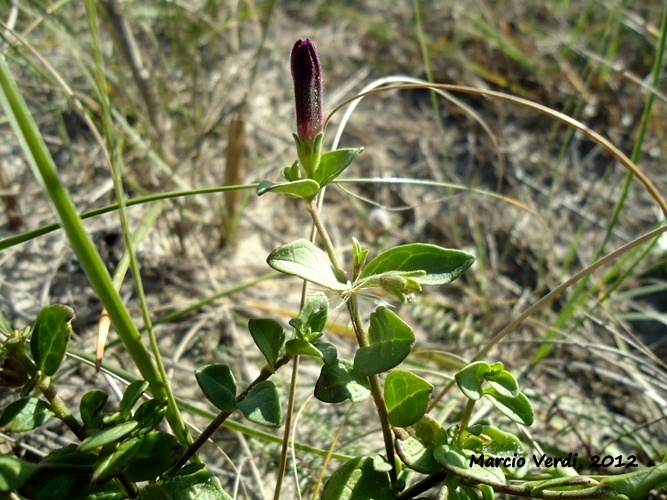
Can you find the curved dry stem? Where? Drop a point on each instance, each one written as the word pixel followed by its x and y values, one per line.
pixel 557 115
pixel 551 296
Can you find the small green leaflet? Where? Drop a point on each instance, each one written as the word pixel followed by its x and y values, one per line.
pixel 303 259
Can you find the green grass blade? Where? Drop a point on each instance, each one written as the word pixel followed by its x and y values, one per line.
pixel 45 171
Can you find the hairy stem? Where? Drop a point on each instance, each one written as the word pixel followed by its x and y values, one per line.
pixel 60 408
pixel 353 309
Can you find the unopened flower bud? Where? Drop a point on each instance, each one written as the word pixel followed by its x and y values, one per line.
pixel 307 76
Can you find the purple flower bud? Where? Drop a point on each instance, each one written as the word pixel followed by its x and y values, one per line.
pixel 307 76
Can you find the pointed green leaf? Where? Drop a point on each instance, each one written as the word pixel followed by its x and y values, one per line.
pixel 303 259
pixel 301 347
pixel 25 414
pixel 192 482
pixel 107 436
pixel 339 381
pixel 334 163
pixel 91 404
pixel 131 395
pixel 502 444
pixel 390 341
pixel 356 479
pixel 471 378
pixel 303 188
pixel 517 409
pixel 459 463
pixel 359 256
pixel 14 473
pixel 218 384
pixel 312 319
pixel 407 397
pixel 291 173
pixel 504 382
pixel 269 336
pixel 262 405
pixel 441 265
pixel 48 344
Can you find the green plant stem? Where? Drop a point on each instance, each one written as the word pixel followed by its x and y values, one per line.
pixel 265 374
pixel 465 419
pixel 129 487
pixel 282 468
pixel 311 206
pixel 59 407
pixel 353 309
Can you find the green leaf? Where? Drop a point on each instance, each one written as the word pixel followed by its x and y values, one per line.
pixel 637 485
pixel 140 459
pixel 192 482
pixel 502 444
pixel 471 378
pixel 504 382
pixel 356 479
pixel 92 403
pixel 25 414
pixel 112 465
pixel 157 452
pixel 49 483
pixel 459 462
pixel 303 259
pixel 487 491
pixel 14 473
pixel 149 414
pixel 441 265
pixel 340 381
pixel 517 409
pixel 50 336
pixel 334 163
pixel 312 319
pixel 390 341
pixel 262 405
pixel 269 336
pixel 218 384
pixel 301 347
pixel 416 443
pixel 329 353
pixel 131 395
pixel 303 188
pixel 359 256
pixel 407 397
pixel 291 173
pixel 107 436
